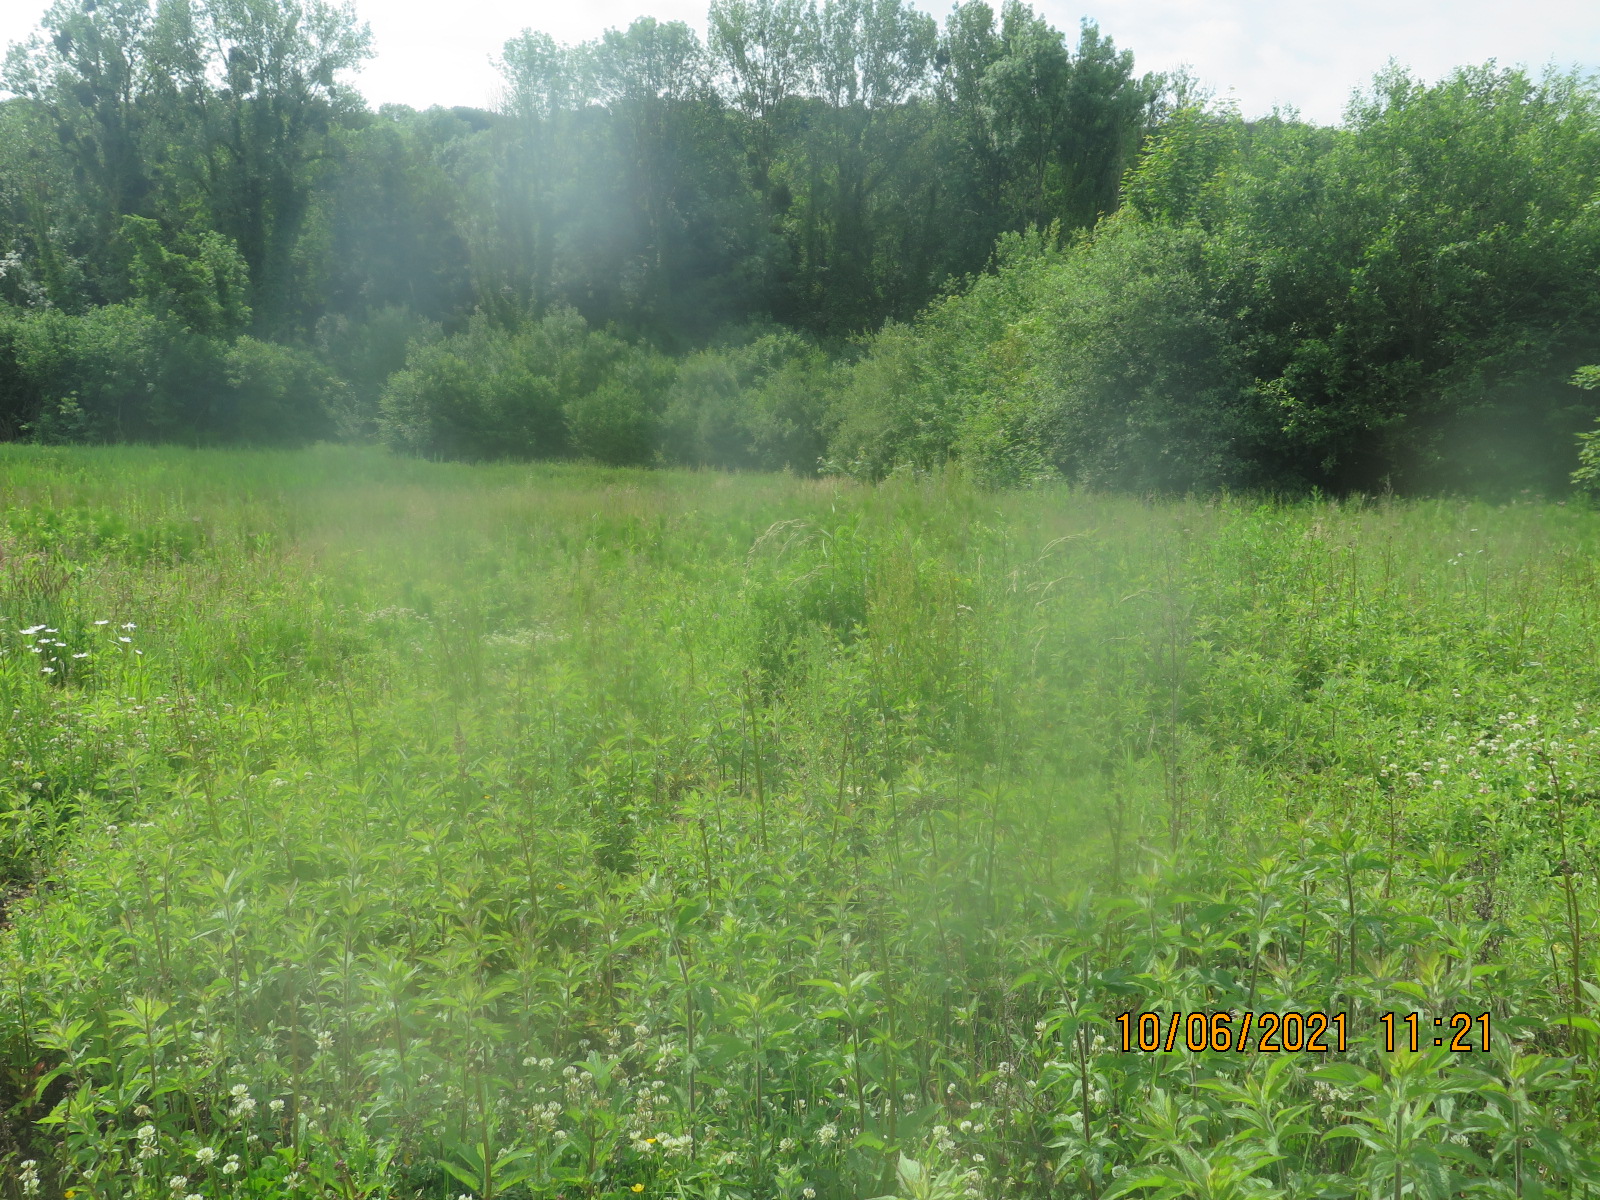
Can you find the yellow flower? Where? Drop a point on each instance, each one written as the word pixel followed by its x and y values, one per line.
pixel 639 1187
pixel 649 1142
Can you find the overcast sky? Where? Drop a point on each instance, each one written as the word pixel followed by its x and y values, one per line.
pixel 1267 52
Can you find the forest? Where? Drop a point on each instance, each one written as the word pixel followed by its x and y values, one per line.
pixel 844 238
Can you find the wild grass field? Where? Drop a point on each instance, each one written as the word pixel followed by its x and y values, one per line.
pixel 375 828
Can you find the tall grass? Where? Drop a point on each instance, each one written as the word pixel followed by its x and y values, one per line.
pixel 498 831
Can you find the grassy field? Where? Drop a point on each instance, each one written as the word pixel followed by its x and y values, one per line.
pixel 374 828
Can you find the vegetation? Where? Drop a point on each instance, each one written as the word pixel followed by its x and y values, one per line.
pixel 1399 302
pixel 863 240
pixel 537 826
pixel 384 828
pixel 821 167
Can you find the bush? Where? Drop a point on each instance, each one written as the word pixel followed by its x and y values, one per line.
pixel 121 373
pixel 895 406
pixel 757 405
pixel 1130 376
pixel 618 422
pixel 366 353
pixel 18 401
pixel 905 400
pixel 194 277
pixel 273 395
pixel 124 367
pixel 1280 306
pixel 551 390
pixel 1587 477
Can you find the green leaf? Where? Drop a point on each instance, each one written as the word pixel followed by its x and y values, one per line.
pixel 463 1174
pixel 1587 1024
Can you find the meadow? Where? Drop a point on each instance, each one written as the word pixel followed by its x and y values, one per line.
pixel 382 828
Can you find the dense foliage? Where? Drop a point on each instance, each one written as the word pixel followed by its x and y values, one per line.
pixel 822 167
pixel 836 236
pixel 1397 302
pixel 387 829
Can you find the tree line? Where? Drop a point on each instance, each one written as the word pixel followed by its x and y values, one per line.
pixel 839 236
pixel 207 168
pixel 1407 301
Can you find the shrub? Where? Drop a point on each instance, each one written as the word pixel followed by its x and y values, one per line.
pixel 365 353
pixel 1587 477
pixel 895 406
pixel 118 362
pixel 551 390
pixel 18 402
pixel 195 277
pixel 905 399
pixel 121 373
pixel 618 422
pixel 1127 375
pixel 273 394
pixel 1281 306
pixel 755 405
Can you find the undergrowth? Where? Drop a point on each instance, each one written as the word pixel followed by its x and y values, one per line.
pixel 374 828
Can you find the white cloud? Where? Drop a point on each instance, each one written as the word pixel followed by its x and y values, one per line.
pixel 1311 55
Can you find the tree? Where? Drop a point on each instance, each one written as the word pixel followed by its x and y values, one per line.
pixel 249 151
pixel 1587 477
pixel 765 51
pixel 193 277
pixel 88 77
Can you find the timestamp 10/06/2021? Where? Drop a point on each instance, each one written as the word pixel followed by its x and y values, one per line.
pixel 1296 1032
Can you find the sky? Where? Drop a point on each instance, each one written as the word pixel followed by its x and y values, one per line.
pixel 1308 54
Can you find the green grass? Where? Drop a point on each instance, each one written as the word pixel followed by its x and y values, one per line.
pixel 509 831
